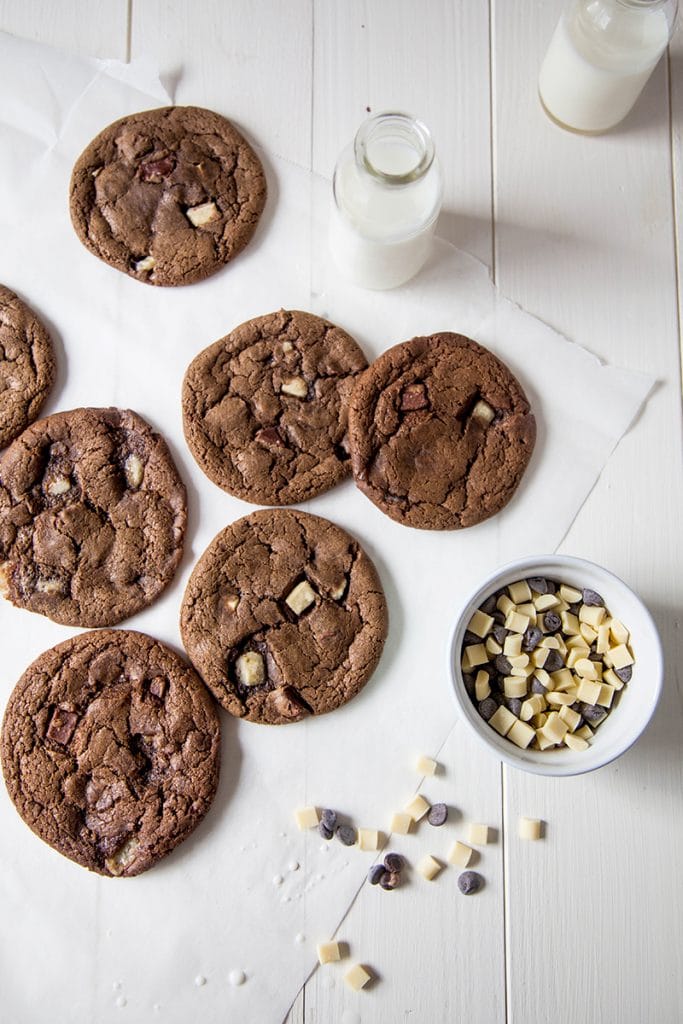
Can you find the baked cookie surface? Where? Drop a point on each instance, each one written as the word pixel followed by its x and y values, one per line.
pixel 440 432
pixel 27 365
pixel 283 616
pixel 111 750
pixel 265 408
pixel 92 517
pixel 167 196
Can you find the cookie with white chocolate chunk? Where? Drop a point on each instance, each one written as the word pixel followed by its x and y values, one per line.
pixel 265 409
pixel 284 616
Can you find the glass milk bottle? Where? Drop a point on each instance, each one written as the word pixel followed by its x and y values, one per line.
pixel 387 195
pixel 599 59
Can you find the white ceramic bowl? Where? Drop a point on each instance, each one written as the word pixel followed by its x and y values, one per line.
pixel 636 701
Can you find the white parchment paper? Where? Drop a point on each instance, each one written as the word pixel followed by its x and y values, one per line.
pixel 248 891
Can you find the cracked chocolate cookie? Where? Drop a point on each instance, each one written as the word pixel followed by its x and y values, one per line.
pixel 284 616
pixel 265 409
pixel 27 366
pixel 111 750
pixel 440 432
pixel 92 517
pixel 167 196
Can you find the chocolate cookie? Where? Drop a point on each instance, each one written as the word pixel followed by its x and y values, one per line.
pixel 92 517
pixel 265 408
pixel 167 196
pixel 284 616
pixel 27 366
pixel 111 750
pixel 440 432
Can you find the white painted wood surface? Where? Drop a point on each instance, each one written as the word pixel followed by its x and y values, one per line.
pixel 586 926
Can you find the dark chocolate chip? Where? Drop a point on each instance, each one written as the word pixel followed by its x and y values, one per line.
pixel 593 713
pixel 329 818
pixel 393 862
pixel 624 673
pixel 489 605
pixel 62 726
pixel 502 665
pixel 156 170
pixel 551 622
pixel 554 662
pixel 470 638
pixel 324 831
pixel 390 880
pixel 437 814
pixel 532 638
pixel 157 687
pixel 514 705
pixel 537 686
pixel 470 882
pixel 468 680
pixel 591 597
pixel 538 584
pixel 499 634
pixel 375 873
pixel 574 607
pixel 270 436
pixel 346 834
pixel 414 397
pixel 487 708
pixel 499 617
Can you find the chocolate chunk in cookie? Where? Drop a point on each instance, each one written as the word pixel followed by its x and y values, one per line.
pixel 111 750
pixel 167 196
pixel 283 617
pixel 27 366
pixel 92 517
pixel 440 432
pixel 265 409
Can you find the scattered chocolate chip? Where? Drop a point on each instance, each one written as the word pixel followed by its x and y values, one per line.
pixel 346 834
pixel 470 638
pixel 537 686
pixel 499 634
pixel 157 687
pixel 551 622
pixel 487 708
pixel 156 170
pixel 468 680
pixel 591 597
pixel 324 831
pixel 502 665
pixel 489 605
pixel 390 880
pixel 393 862
pixel 375 873
pixel 538 584
pixel 414 397
pixel 593 713
pixel 514 705
pixel 470 882
pixel 624 673
pixel 532 638
pixel 329 817
pixel 438 814
pixel 498 618
pixel 270 436
pixel 62 726
pixel 554 662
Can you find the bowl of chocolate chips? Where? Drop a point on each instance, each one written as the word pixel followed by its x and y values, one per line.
pixel 556 665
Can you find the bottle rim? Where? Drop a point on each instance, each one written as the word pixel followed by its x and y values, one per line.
pixel 402 126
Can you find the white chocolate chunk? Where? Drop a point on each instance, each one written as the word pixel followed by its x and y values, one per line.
pixel 125 855
pixel 521 734
pixel 492 646
pixel 544 602
pixel 605 696
pixel 570 624
pixel 533 706
pixel 49 586
pixel 427 765
pixel 543 678
pixel 4 578
pixel 483 412
pixel 519 591
pixel 400 824
pixel 134 470
pixel 619 632
pixel 250 669
pixel 551 643
pixel 569 594
pixel 519 660
pixel 578 654
pixel 529 828
pixel 529 610
pixel 543 741
pixel 540 656
pixel 577 643
pixel 477 655
pixel 610 676
pixel 570 718
pixel 301 597
pixel 417 808
pixel 588 633
pixel 306 817
pixel 505 605
pixel 338 591
pixel 482 686
pixel 585 668
pixel 602 643
pixel 620 656
pixel 148 263
pixel 555 729
pixel 522 673
pixel 592 615
pixel 480 624
pixel 516 622
pixel 514 687
pixel 460 854
pixel 588 691
pixel 358 977
pixel 59 485
pixel 562 679
pixel 429 867
pixel 502 720
pixel 231 602
pixel 287 346
pixel 512 645
pixel 203 214
pixel 295 386
pixel 575 742
pixel 368 839
pixel 478 834
pixel 559 699
pixel 328 952
pixel 585 732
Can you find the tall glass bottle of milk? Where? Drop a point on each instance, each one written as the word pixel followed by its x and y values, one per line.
pixel 387 194
pixel 600 57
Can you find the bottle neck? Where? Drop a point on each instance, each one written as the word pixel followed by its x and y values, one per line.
pixel 394 149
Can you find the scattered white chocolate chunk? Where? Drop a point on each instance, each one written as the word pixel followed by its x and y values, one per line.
pixel 529 828
pixel 592 615
pixel 555 729
pixel 482 686
pixel 619 632
pixel 231 602
pixel 570 717
pixel 619 656
pixel 575 742
pixel 429 867
pixel 49 586
pixel 301 597
pixel 483 412
pixel 250 669
pixel 203 214
pixel 521 734
pixel 477 655
pixel 417 808
pixel 605 696
pixel 328 952
pixel 460 854
pixel 516 622
pixel 358 977
pixel 570 594
pixel 545 602
pixel 295 386
pixel 125 855
pixel 478 834
pixel 570 624
pixel 512 645
pixel 480 624
pixel 148 263
pixel 134 469
pixel 400 824
pixel 338 591
pixel 58 485
pixel 514 686
pixel 519 591
pixel 505 605
pixel 306 817
pixel 588 691
pixel 368 839
pixel 502 720
pixel 426 765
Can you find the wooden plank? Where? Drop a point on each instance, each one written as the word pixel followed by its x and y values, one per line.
pixel 90 28
pixel 585 240
pixel 253 66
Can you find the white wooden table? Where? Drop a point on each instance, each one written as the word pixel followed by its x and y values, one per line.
pixel 582 232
